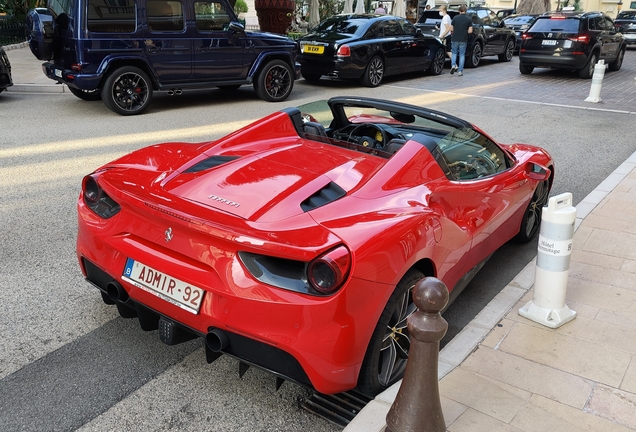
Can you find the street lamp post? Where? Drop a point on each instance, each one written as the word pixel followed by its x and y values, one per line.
pixel 619 6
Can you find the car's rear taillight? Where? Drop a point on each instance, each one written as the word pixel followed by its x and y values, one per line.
pixel 97 200
pixel 76 67
pixel 344 51
pixel 581 38
pixel 329 271
pixel 525 36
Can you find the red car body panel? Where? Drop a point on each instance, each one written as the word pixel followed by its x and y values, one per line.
pixel 397 213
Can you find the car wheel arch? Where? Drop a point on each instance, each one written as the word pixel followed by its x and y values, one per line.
pixel 266 57
pixel 109 65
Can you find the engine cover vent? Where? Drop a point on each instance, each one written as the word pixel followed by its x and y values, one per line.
pixel 210 162
pixel 329 193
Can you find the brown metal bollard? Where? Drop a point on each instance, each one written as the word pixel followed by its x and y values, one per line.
pixel 417 407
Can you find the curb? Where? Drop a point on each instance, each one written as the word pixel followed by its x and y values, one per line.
pixel 38 88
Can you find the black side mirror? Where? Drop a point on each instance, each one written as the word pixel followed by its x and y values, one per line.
pixel 236 27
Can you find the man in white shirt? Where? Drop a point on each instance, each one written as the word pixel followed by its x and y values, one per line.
pixel 445 29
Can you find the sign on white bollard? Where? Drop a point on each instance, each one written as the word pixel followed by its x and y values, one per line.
pixel 553 264
pixel 597 82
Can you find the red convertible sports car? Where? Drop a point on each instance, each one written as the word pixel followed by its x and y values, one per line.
pixel 293 243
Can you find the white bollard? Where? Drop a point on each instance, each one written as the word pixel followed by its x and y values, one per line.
pixel 553 264
pixel 597 82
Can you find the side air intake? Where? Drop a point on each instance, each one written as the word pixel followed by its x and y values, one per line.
pixel 329 193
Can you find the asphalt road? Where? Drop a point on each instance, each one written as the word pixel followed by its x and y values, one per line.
pixel 68 362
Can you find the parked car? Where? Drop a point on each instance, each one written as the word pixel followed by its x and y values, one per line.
pixel 294 243
pixel 5 71
pixel 368 48
pixel 625 23
pixel 571 40
pixel 519 24
pixel 124 52
pixel 504 13
pixel 490 35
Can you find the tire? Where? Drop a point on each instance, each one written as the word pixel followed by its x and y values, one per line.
pixel 588 70
pixel 127 91
pixel 275 81
pixel 525 69
pixel 474 57
pixel 374 72
pixel 509 52
pixel 437 64
pixel 616 64
pixel 383 364
pixel 229 88
pixel 532 217
pixel 87 95
pixel 312 77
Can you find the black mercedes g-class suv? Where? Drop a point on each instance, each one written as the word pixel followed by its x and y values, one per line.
pixel 123 50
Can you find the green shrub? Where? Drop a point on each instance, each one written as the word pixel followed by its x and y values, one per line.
pixel 240 7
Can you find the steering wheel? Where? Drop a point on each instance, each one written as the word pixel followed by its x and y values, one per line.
pixel 367 141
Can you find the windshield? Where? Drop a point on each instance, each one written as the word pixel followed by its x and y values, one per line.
pixel 526 19
pixel 627 15
pixel 563 25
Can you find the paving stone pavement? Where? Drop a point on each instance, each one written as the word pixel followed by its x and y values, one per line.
pixel 548 86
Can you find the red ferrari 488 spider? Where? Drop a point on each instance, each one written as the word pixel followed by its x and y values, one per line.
pixel 293 244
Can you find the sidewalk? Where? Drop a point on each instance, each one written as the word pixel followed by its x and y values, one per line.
pixel 26 71
pixel 506 373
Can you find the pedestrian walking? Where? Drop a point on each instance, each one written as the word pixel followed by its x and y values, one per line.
pixel 445 29
pixel 380 9
pixel 461 26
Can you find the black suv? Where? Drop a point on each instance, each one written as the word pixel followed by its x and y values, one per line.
pixel 625 23
pixel 121 51
pixel 5 71
pixel 571 40
pixel 490 35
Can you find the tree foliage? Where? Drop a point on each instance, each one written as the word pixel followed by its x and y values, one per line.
pixel 240 7
pixel 19 8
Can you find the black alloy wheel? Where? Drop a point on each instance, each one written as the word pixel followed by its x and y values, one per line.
pixel 474 57
pixel 275 81
pixel 374 72
pixel 437 65
pixel 616 64
pixel 127 91
pixel 588 70
pixel 385 360
pixel 532 218
pixel 509 52
pixel 87 95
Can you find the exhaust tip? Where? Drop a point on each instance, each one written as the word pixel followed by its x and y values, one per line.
pixel 217 340
pixel 116 292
